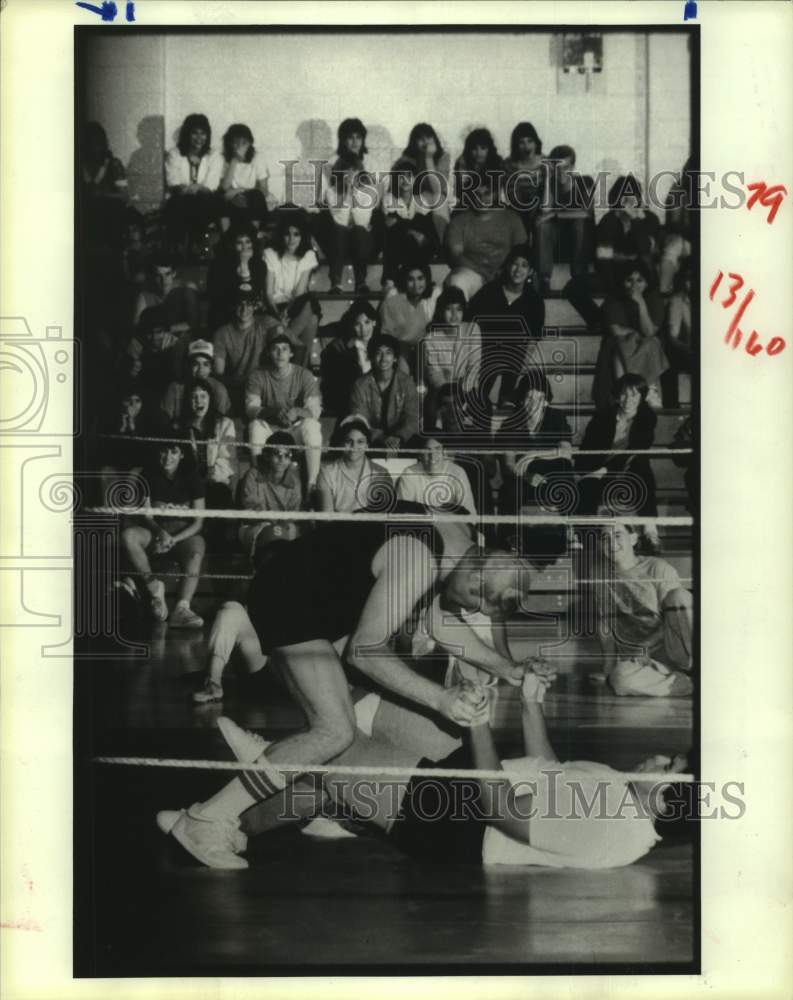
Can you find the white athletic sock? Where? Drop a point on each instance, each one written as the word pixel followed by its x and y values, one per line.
pixel 229 803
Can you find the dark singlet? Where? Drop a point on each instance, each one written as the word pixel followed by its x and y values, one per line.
pixel 316 586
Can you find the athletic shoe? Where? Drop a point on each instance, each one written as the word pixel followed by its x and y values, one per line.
pixel 209 692
pixel 216 843
pixel 245 745
pixel 326 829
pixel 159 608
pixel 184 617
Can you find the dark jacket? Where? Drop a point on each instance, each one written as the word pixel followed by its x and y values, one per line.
pixel 490 309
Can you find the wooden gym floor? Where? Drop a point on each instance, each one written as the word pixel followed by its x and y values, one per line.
pixel 145 908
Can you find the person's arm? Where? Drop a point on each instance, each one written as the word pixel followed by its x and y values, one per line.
pixel 647 326
pixel 455 243
pixel 358 401
pixel 405 574
pixel 174 181
pixel 535 732
pixel 219 358
pixel 324 495
pixel 460 640
pixel 408 423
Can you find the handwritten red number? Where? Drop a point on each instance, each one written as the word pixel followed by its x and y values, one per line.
pixel 769 197
pixel 734 287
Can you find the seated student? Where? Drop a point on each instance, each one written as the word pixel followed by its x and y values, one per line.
pixel 243 185
pixel 237 267
pixel 211 451
pixel 430 165
pixel 436 482
pixel 627 232
pixel 645 617
pixel 386 397
pixel 478 165
pixel 159 349
pixel 238 346
pixel 164 287
pixel 680 205
pixel 169 486
pixel 271 483
pixel 526 175
pixel 527 818
pixel 405 315
pixel 289 263
pixel 508 312
pixel 199 366
pixel 628 423
pixel 346 357
pixel 192 176
pixel 409 235
pixel 103 188
pixel 450 358
pixel 632 320
pixel 351 198
pixel 567 214
pixel 679 339
pixel 479 238
pixel 352 481
pixel 284 396
pixel 536 461
pixel 128 415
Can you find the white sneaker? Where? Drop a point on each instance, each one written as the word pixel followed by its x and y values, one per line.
pixel 184 617
pixel 326 829
pixel 216 843
pixel 210 691
pixel 159 608
pixel 245 745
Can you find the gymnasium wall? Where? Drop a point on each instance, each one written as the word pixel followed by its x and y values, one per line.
pixel 293 90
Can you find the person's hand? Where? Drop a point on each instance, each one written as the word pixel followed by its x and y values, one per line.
pixel 292 415
pixel 538 678
pixel 393 444
pixel 565 450
pixel 163 542
pixel 637 296
pixel 283 418
pixel 419 238
pixel 536 480
pixel 463 703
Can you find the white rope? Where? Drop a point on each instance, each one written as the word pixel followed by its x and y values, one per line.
pixel 389 517
pixel 551 451
pixel 365 770
pixel 250 576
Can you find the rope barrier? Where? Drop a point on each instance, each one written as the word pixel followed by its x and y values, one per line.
pixel 551 451
pixel 392 517
pixel 250 576
pixel 364 770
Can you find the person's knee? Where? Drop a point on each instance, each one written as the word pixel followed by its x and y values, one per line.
pixel 311 432
pixel 679 598
pixel 131 538
pixel 258 431
pixel 336 732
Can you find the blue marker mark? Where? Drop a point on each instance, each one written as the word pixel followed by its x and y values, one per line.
pixel 690 10
pixel 109 10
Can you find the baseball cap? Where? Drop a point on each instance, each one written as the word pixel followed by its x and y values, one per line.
pixel 201 347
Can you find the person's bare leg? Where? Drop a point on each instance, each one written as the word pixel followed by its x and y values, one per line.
pixel 191 555
pixel 314 676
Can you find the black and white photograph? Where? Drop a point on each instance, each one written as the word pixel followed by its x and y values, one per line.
pixel 416 353
pixel 390 493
